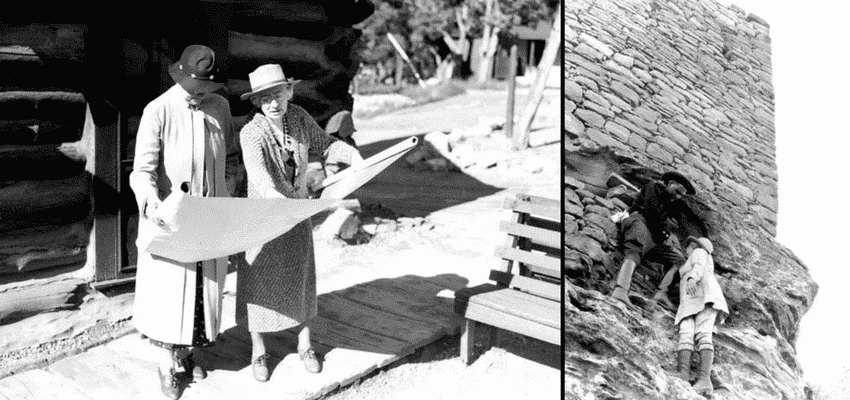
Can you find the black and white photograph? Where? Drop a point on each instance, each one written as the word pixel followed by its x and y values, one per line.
pixel 704 168
pixel 341 200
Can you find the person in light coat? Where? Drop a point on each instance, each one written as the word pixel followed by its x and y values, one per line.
pixel 701 307
pixel 186 141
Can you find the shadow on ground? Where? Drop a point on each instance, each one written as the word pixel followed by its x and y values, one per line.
pixel 388 316
pixel 413 193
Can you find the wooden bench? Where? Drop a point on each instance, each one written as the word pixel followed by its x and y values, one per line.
pixel 526 295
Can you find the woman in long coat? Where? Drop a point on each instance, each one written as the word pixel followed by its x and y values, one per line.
pixel 276 290
pixel 185 135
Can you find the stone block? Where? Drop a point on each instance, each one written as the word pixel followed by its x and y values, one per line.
pixel 574 209
pixel 642 74
pixel 654 150
pixel 617 102
pixel 573 91
pixel 649 126
pixel 768 201
pixel 587 83
pixel 715 117
pixel 569 106
pixel 588 51
pixel 606 112
pixel 670 146
pixel 647 114
pixel 585 245
pixel 602 139
pixel 745 192
pixel 637 142
pixel 618 131
pixel 597 209
pixel 590 117
pixel 624 60
pixel 674 134
pixel 573 125
pixel 596 98
pixel 596 44
pixel 625 93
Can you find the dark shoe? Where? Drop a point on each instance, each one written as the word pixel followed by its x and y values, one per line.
pixel 189 364
pixel 261 368
pixel 311 362
pixel 168 384
pixel 663 300
pixel 622 295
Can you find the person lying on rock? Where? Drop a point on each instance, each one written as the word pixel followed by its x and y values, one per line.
pixel 701 307
pixel 647 232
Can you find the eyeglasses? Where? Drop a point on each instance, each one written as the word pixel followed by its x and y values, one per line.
pixel 280 95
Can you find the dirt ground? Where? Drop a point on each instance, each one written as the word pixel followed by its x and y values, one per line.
pixel 517 366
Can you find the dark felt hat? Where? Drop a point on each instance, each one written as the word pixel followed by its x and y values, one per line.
pixel 675 176
pixel 197 71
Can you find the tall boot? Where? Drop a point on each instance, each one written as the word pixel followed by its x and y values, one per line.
pixel 660 296
pixel 624 282
pixel 703 384
pixel 683 365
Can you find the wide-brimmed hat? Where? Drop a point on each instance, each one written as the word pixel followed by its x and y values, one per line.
pixel 701 242
pixel 266 77
pixel 675 176
pixel 197 70
pixel 341 124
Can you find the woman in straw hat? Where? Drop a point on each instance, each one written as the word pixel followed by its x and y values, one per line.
pixel 185 141
pixel 276 290
pixel 701 307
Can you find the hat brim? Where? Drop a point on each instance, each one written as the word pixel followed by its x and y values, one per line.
pixel 675 176
pixel 191 84
pixel 699 243
pixel 269 87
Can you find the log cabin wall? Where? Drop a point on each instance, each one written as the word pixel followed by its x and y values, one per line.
pixel 73 84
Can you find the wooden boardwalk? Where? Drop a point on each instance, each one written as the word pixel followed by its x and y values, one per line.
pixel 371 316
pixel 359 329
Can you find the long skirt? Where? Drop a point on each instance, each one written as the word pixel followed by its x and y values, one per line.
pixel 276 287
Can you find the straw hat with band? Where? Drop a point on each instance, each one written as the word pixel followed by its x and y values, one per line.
pixel 197 71
pixel 265 78
pixel 701 242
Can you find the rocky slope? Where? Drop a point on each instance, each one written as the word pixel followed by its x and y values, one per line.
pixel 653 86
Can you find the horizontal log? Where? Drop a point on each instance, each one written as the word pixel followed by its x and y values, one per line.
pixel 301 59
pixel 57 201
pixel 23 302
pixel 43 106
pixel 34 131
pixel 38 162
pixel 48 40
pixel 43 247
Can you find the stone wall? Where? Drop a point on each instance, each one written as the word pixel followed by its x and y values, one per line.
pixel 652 86
pixel 677 84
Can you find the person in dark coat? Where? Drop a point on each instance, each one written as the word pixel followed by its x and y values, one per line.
pixel 648 228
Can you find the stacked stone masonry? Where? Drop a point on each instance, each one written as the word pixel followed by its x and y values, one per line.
pixel 677 84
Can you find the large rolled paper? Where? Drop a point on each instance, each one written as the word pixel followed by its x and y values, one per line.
pixel 344 183
pixel 202 228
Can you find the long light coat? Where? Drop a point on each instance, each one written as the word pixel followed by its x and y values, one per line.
pixel 700 266
pixel 167 154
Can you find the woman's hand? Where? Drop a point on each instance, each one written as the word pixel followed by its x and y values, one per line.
pixel 691 287
pixel 356 159
pixel 148 210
